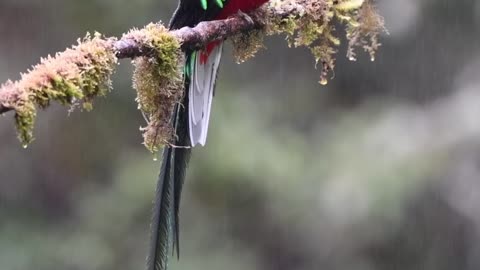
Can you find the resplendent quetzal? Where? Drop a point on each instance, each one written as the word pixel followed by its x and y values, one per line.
pixel 190 121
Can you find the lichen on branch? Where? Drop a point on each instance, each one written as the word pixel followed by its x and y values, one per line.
pixel 81 73
pixel 311 24
pixel 77 75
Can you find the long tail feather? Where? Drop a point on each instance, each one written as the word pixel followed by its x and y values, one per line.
pixel 181 159
pixel 190 121
pixel 162 215
pixel 165 221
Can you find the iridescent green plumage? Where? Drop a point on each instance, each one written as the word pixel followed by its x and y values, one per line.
pixel 204 3
pixel 190 65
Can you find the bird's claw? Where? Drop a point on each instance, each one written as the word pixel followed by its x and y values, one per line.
pixel 246 17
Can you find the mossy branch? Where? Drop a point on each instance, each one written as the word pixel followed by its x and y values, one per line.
pixel 79 74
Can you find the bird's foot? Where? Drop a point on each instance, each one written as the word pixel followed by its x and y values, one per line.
pixel 246 17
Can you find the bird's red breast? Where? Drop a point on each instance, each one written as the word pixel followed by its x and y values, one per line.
pixel 232 7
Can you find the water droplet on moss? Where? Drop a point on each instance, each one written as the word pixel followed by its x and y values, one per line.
pixel 25 146
pixel 323 81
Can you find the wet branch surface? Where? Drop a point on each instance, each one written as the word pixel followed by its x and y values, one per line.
pixel 190 38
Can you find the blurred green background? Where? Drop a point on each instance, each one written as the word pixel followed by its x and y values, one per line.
pixel 378 170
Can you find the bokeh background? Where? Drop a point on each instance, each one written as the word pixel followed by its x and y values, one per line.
pixel 378 170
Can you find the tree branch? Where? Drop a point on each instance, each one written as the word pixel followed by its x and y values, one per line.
pixel 83 72
pixel 190 38
pixel 205 32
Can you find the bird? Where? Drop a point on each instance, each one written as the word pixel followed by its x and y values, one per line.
pixel 190 120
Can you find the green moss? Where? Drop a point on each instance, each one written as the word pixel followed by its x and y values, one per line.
pixel 363 30
pixel 60 89
pixel 83 72
pixel 158 80
pixel 76 75
pixel 314 28
pixel 25 119
pixel 95 80
pixel 246 45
